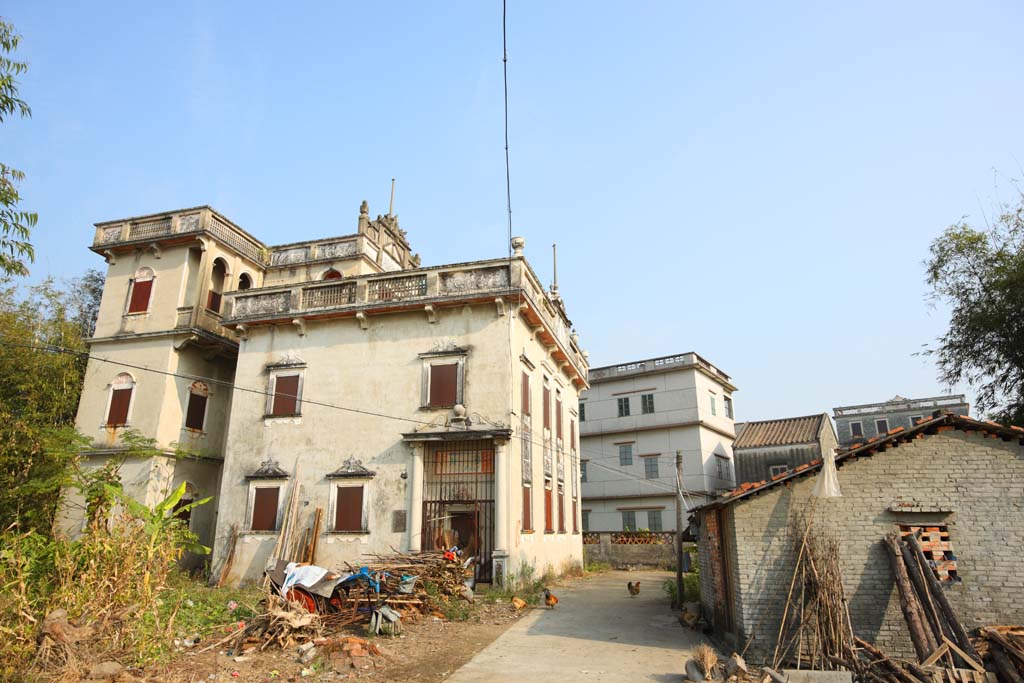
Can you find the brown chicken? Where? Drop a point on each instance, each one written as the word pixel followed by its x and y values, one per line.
pixel 633 588
pixel 549 599
pixel 518 603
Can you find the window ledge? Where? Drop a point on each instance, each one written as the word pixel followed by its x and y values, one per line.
pixel 549 531
pixel 284 417
pixel 259 532
pixel 136 314
pixel 437 407
pixel 527 531
pixel 104 425
pixel 193 432
pixel 358 532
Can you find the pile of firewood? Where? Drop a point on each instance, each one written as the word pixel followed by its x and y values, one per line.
pixel 1004 647
pixel 447 576
pixel 935 630
pixel 282 625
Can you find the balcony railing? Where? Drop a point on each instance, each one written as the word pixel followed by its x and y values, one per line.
pixel 329 296
pixel 394 288
pixel 485 280
pixel 186 223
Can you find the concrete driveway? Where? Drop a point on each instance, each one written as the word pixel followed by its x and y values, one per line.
pixel 597 633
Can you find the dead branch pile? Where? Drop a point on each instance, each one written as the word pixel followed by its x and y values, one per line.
pixel 282 624
pixel 430 567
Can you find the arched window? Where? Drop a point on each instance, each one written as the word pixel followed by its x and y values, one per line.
pixel 244 281
pixel 331 274
pixel 195 413
pixel 140 290
pixel 217 278
pixel 119 406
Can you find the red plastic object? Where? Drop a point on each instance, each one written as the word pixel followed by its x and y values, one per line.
pixel 303 598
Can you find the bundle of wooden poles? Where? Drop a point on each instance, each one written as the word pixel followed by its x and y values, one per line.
pixel 448 576
pixel 936 632
pixel 815 632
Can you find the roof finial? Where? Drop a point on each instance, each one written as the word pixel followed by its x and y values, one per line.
pixel 391 206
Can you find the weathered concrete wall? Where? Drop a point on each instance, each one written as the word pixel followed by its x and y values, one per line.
pixel 378 370
pixel 977 480
pixel 624 556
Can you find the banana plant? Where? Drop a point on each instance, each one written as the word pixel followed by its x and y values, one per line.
pixel 158 525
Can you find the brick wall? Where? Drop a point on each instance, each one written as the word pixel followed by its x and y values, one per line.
pixel 969 481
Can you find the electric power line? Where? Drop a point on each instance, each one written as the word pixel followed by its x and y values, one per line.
pixel 52 348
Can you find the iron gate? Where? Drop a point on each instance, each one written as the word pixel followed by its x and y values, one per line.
pixel 458 501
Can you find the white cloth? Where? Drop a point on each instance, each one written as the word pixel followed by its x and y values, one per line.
pixel 304 576
pixel 827 485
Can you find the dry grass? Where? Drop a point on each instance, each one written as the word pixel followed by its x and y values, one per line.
pixel 707 659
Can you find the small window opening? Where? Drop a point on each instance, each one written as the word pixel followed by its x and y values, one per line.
pixel 331 274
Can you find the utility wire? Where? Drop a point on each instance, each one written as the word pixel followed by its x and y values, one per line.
pixel 508 176
pixel 52 348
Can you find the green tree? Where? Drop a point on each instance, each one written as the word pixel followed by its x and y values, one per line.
pixel 15 224
pixel 980 275
pixel 39 392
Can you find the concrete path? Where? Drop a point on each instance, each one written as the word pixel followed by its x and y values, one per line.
pixel 597 634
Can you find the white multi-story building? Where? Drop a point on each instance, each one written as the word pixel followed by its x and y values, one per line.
pixel 633 419
pixel 415 408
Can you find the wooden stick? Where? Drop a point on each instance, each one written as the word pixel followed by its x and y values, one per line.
pixel 924 643
pixel 959 634
pixel 792 583
pixel 1004 667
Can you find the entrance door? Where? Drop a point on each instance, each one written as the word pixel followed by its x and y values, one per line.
pixel 458 501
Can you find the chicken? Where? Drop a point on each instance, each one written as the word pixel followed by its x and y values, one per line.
pixel 633 588
pixel 518 603
pixel 549 599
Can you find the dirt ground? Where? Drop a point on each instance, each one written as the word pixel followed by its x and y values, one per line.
pixel 428 650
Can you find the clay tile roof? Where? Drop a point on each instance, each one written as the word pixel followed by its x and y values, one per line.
pixel 783 432
pixel 942 423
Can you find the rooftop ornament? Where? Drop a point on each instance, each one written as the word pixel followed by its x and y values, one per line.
pixel 268 469
pixel 352 469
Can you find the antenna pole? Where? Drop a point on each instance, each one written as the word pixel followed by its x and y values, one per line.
pixel 391 206
pixel 554 256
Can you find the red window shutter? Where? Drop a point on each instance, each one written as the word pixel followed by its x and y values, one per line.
pixel 139 302
pixel 558 418
pixel 348 509
pixel 561 511
pixel 547 408
pixel 572 434
pixel 527 508
pixel 443 381
pixel 213 301
pixel 264 509
pixel 120 399
pixel 575 527
pixel 196 414
pixel 547 510
pixel 526 394
pixel 286 392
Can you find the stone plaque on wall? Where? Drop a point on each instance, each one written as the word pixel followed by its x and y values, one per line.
pixel 399 521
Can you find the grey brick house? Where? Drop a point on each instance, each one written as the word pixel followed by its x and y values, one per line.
pixel 961 478
pixel 768 448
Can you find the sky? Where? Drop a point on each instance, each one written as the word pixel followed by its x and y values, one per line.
pixel 755 182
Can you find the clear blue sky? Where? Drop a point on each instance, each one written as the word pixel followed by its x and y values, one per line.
pixel 757 184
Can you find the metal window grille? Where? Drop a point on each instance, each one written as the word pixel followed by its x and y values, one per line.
pixel 654 520
pixel 856 429
pixel 629 520
pixel 583 412
pixel 458 501
pixel 547 459
pixel 625 454
pixel 881 426
pixel 329 296
pixel 624 406
pixel 651 467
pixel 397 288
